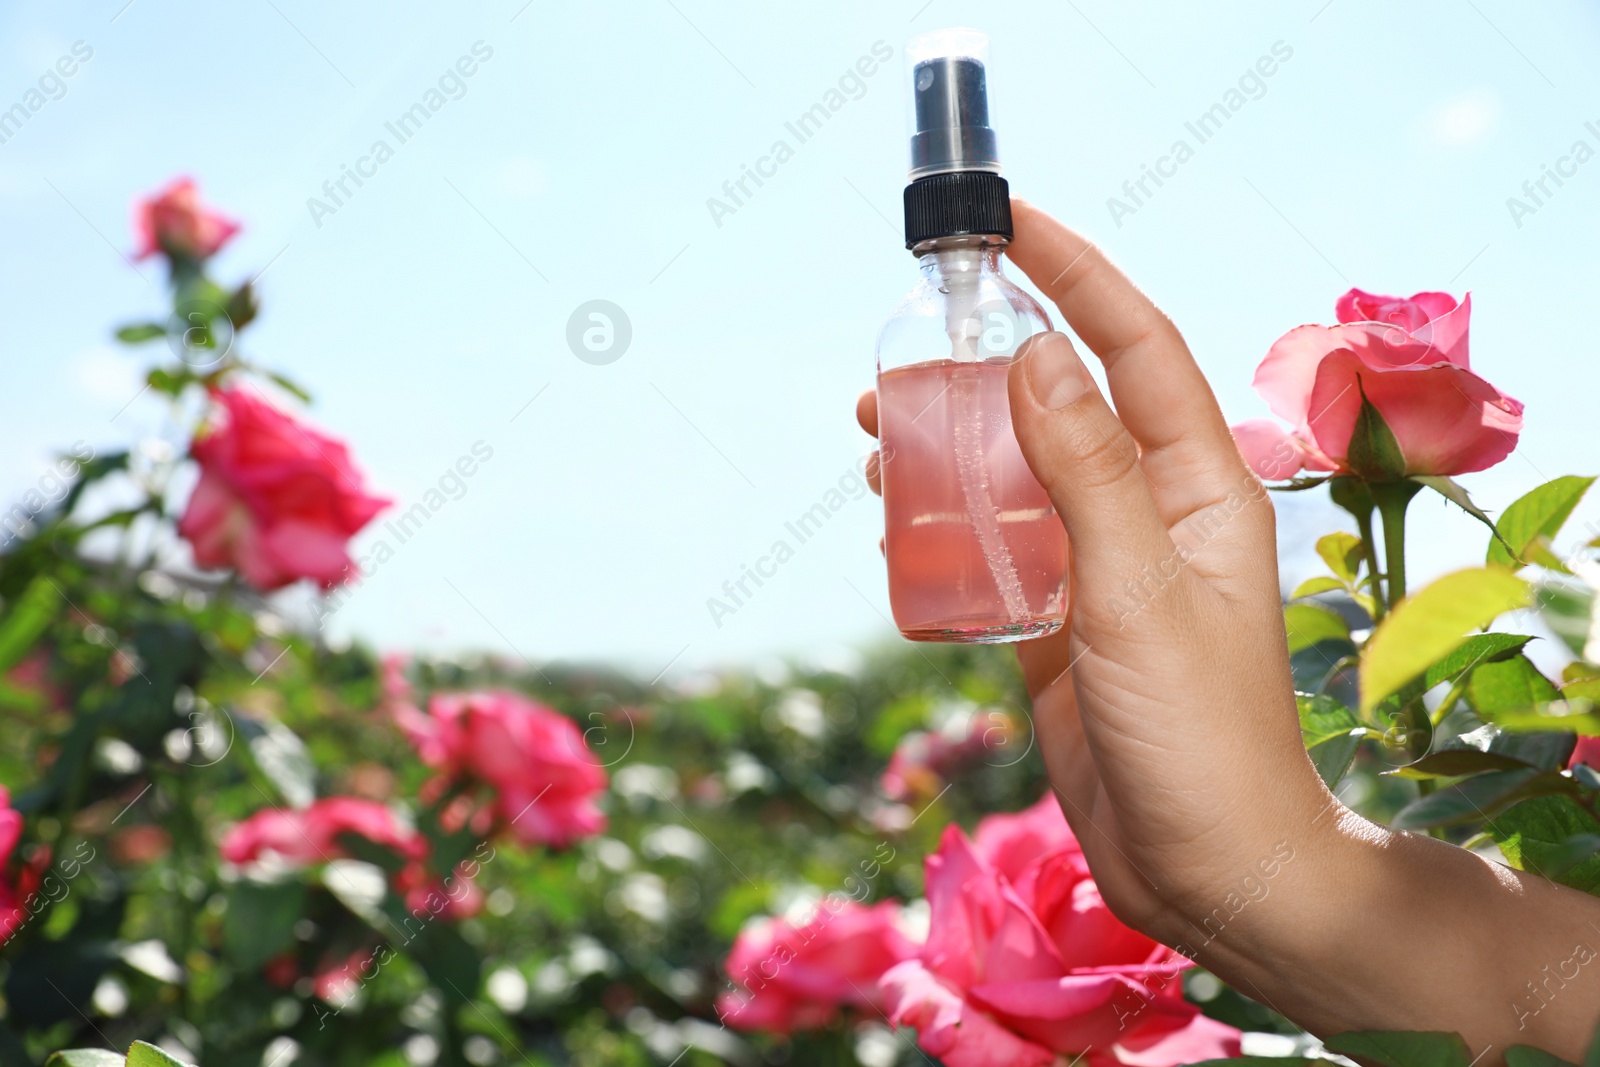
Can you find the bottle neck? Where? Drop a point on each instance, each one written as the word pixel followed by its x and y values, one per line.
pixel 944 260
pixel 963 269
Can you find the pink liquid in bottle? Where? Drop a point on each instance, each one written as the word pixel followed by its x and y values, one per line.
pixel 976 552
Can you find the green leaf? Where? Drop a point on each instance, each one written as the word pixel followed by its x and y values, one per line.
pixel 1374 454
pixel 26 618
pixel 1309 624
pixel 1342 552
pixel 1433 623
pixel 1566 607
pixel 259 922
pixel 1528 1056
pixel 1458 763
pixel 141 332
pixel 1323 718
pixel 1315 586
pixel 1331 735
pixel 1452 491
pixel 1570 853
pixel 1533 520
pixel 1533 836
pixel 242 306
pixel 1403 1048
pixel 1479 648
pixel 84 1057
pixel 1586 723
pixel 1509 685
pixel 1479 797
pixel 144 1054
pixel 1548 751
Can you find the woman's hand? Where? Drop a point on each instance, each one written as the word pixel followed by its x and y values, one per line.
pixel 1166 715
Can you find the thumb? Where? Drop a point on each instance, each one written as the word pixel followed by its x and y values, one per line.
pixel 1089 464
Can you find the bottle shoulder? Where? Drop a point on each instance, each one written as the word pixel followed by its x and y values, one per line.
pixel 962 316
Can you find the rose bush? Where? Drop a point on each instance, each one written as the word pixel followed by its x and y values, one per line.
pixel 316 855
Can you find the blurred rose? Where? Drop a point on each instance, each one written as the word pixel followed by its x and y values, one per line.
pixel 276 500
pixel 1587 751
pixel 371 780
pixel 281 971
pixel 396 683
pixel 455 898
pixel 1024 963
pixel 791 978
pixel 32 675
pixel 15 892
pixel 1409 358
pixel 174 221
pixel 544 775
pixel 923 759
pixel 311 835
pixel 337 982
pixel 140 844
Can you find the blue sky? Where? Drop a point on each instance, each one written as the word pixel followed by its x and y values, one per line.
pixel 576 164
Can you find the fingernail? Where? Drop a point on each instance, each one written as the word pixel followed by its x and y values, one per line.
pixel 1055 373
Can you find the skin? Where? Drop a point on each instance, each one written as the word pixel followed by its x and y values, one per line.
pixel 1166 716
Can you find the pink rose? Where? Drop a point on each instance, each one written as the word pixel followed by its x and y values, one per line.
pixel 1587 751
pixel 1024 963
pixel 922 759
pixel 276 500
pixel 1409 358
pixel 175 222
pixel 792 978
pixel 15 893
pixel 544 777
pixel 306 836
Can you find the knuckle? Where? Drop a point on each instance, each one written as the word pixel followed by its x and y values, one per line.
pixel 1102 455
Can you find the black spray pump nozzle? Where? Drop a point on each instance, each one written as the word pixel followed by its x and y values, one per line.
pixel 956 189
pixel 951 102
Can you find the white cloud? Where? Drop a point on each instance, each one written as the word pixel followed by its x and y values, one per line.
pixel 1466 119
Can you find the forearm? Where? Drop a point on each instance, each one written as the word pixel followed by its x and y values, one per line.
pixel 1373 929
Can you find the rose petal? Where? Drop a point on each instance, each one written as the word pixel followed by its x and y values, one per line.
pixel 1269 450
pixel 950 1028
pixel 1446 420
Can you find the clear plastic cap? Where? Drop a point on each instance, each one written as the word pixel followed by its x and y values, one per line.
pixel 950 103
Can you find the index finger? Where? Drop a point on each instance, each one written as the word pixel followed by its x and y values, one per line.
pixel 1158 390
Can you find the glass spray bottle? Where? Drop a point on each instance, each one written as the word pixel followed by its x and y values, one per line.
pixel 976 552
